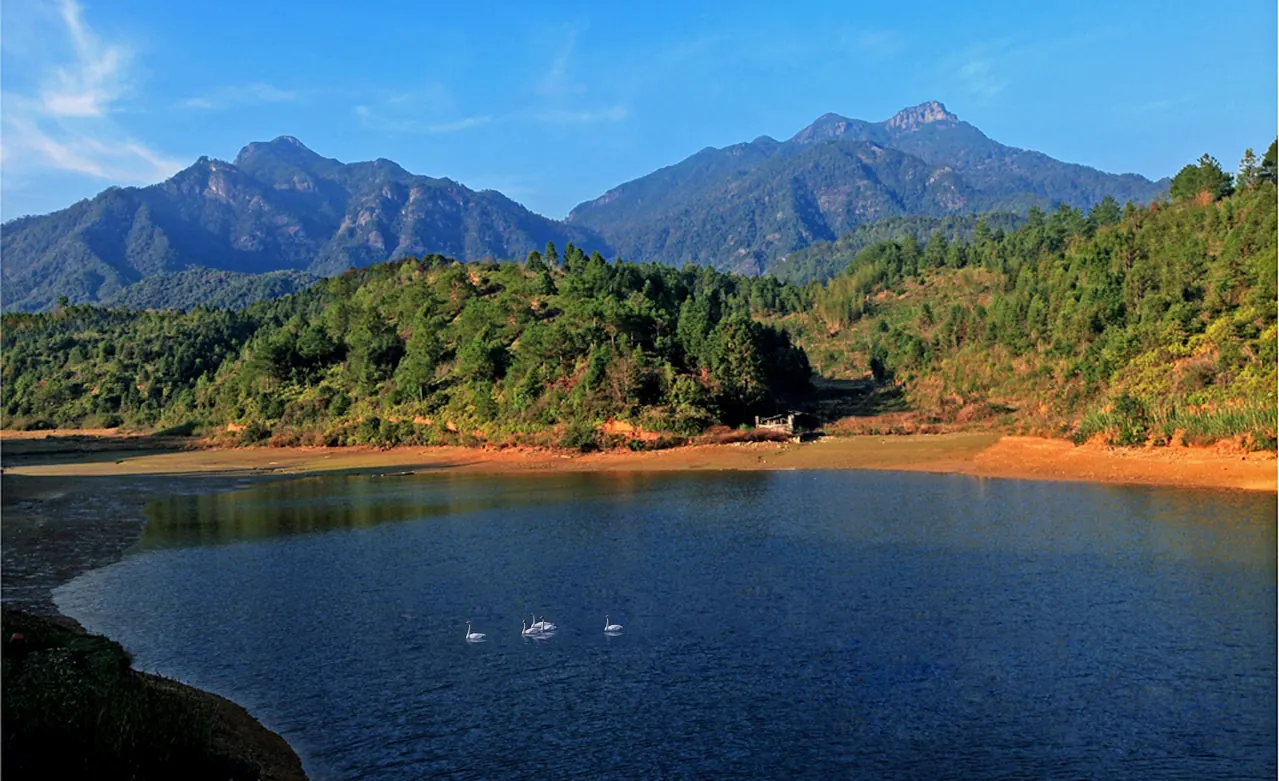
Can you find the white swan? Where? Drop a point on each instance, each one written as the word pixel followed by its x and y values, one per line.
pixel 544 625
pixel 529 631
pixel 474 637
pixel 611 627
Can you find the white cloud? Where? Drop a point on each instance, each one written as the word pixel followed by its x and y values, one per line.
pixel 460 124
pixel 878 44
pixel 979 78
pixel 87 86
pixel 67 125
pixel 373 120
pixel 256 94
pixel 556 80
pixel 579 117
pixel 986 69
pixel 1155 106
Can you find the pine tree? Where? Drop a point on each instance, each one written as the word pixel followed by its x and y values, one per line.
pixel 1204 176
pixel 1249 169
pixel 1268 163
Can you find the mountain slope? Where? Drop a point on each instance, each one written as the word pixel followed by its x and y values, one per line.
pixel 745 206
pixel 278 207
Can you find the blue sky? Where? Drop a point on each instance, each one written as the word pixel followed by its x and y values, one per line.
pixel 554 103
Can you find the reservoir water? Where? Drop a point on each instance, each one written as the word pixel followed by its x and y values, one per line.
pixel 776 625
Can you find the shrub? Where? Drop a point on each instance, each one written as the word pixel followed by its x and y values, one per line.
pixel 253 433
pixel 580 435
pixel 180 430
pixel 1131 422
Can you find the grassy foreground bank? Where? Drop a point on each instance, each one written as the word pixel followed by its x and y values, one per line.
pixel 73 707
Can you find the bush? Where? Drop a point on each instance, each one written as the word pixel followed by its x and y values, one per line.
pixel 180 430
pixel 661 443
pixel 33 424
pixel 580 435
pixel 1130 420
pixel 253 433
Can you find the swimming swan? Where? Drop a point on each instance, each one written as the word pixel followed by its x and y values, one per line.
pixel 544 625
pixel 611 627
pixel 474 637
pixel 529 631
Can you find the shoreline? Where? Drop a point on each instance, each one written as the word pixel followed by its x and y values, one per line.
pixel 71 505
pixel 55 530
pixel 974 454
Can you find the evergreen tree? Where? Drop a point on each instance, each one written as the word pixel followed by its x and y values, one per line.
pixel 1204 176
pixel 1267 168
pixel 1105 212
pixel 1249 169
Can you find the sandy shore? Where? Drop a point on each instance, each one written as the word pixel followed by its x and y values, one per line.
pixel 978 454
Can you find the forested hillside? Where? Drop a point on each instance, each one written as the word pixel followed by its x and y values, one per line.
pixel 1131 323
pixel 1138 324
pixel 823 260
pixel 426 350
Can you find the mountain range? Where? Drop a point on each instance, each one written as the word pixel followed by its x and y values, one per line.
pixel 280 208
pixel 746 206
pixel 277 207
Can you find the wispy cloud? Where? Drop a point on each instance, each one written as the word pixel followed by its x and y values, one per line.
pixel 985 70
pixel 427 109
pixel 255 94
pixel 67 125
pixel 87 86
pixel 979 78
pixel 1155 106
pixel 373 120
pixel 556 82
pixel 878 44
pixel 582 116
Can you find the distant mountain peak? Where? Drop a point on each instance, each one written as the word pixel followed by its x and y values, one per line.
pixel 744 206
pixel 283 147
pixel 825 127
pixel 916 116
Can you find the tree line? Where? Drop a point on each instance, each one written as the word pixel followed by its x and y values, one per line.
pixel 424 350
pixel 1165 312
pixel 1126 320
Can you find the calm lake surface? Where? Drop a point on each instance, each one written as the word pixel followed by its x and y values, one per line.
pixel 781 625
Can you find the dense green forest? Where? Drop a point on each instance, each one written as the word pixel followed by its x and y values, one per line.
pixel 1133 323
pixel 1138 324
pixel 425 350
pixel 823 260
pixel 209 288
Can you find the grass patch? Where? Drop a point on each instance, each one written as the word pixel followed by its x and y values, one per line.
pixel 1130 423
pixel 74 708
